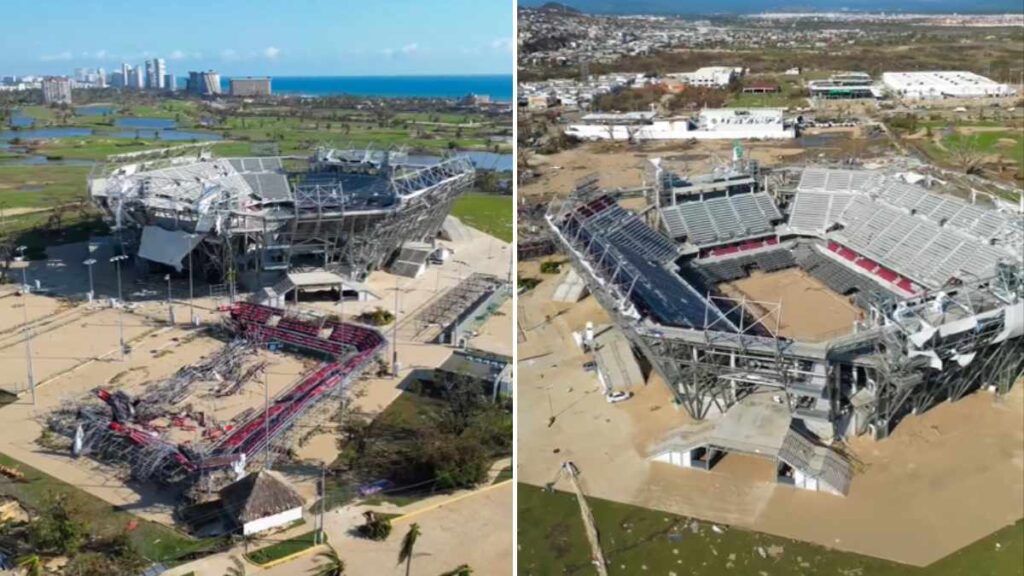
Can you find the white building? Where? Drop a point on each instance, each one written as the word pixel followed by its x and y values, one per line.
pixel 249 86
pixel 57 90
pixel 709 76
pixel 261 501
pixel 159 70
pixel 709 124
pixel 932 85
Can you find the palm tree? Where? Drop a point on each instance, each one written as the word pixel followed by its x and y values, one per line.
pixel 237 567
pixel 32 564
pixel 463 570
pixel 408 544
pixel 330 564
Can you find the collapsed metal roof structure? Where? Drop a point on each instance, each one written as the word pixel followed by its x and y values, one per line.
pixel 244 219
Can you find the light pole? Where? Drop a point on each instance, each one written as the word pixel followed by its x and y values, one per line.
pixel 24 312
pixel 88 264
pixel 191 288
pixel 394 335
pixel 170 306
pixel 120 299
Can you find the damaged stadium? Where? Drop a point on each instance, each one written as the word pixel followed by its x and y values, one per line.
pixel 929 287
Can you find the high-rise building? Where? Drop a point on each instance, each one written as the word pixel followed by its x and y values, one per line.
pixel 137 78
pixel 250 86
pixel 101 78
pixel 160 66
pixel 170 84
pixel 57 90
pixel 151 79
pixel 126 72
pixel 204 83
pixel 117 79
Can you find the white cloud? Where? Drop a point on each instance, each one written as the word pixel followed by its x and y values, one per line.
pixel 229 54
pixel 502 44
pixel 408 49
pixel 178 55
pixel 65 55
pixel 271 52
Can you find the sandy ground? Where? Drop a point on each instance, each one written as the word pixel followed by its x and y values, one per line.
pixel 13 311
pixel 473 528
pixel 623 166
pixel 87 352
pixel 495 333
pixel 943 480
pixel 809 310
pixel 479 253
pixel 62 341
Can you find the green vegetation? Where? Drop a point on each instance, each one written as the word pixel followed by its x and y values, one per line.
pixel 41 186
pixel 283 549
pixel 329 564
pixel 7 398
pixel 638 540
pixel 490 213
pixel 376 526
pixel 423 445
pixel 527 283
pixel 377 317
pixel 408 548
pixel 503 475
pixel 987 52
pixel 551 266
pixel 98 521
pixel 791 99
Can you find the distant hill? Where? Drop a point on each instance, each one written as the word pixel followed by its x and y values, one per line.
pixel 556 7
pixel 688 8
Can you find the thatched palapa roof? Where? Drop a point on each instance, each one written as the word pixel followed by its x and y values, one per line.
pixel 259 495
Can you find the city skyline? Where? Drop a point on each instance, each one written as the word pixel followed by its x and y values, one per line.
pixel 396 38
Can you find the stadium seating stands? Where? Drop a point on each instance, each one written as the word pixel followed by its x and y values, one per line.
pixel 722 219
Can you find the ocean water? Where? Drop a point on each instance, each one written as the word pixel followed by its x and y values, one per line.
pixel 498 87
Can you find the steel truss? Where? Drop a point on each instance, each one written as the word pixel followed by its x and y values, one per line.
pixel 708 371
pixel 317 227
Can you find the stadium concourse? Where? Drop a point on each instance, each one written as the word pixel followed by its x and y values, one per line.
pixel 937 284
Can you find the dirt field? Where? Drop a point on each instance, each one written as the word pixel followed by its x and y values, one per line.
pixel 625 166
pixel 913 502
pixel 63 337
pixel 809 310
pixel 475 530
pixel 496 333
pixel 70 362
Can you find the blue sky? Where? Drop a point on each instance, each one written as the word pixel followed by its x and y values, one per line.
pixel 239 37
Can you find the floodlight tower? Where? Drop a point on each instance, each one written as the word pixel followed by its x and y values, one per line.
pixel 24 312
pixel 120 299
pixel 88 264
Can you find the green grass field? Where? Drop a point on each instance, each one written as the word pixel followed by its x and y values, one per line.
pixel 1008 143
pixel 642 541
pixel 490 213
pixel 282 549
pixel 41 186
pixel 780 100
pixel 102 520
